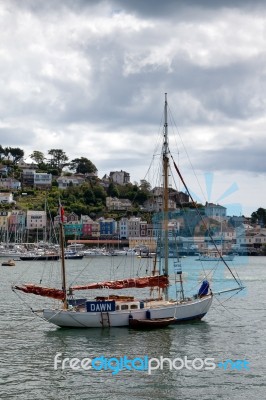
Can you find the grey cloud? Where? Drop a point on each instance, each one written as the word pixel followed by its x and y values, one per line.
pixel 105 98
pixel 245 159
pixel 181 10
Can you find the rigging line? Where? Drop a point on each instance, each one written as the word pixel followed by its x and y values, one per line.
pixel 196 286
pixel 181 206
pixel 204 223
pixel 176 150
pixel 157 144
pixel 77 276
pixel 52 225
pixel 184 147
pixel 43 271
pixel 213 269
pixel 222 304
pixel 27 305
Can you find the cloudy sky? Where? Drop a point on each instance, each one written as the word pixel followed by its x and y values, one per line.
pixel 89 77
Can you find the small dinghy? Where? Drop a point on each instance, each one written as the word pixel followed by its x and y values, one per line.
pixel 9 263
pixel 150 323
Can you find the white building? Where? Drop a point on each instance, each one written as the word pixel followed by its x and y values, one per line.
pixel 65 181
pixel 36 219
pixel 42 179
pixel 120 177
pixel 6 198
pixel 113 203
pixel 251 240
pixel 10 183
pixel 215 211
pixel 134 227
pixel 123 228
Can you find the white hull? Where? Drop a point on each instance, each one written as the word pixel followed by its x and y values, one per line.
pixel 214 258
pixel 11 254
pixel 189 310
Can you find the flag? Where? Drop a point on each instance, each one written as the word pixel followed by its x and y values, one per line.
pixel 61 212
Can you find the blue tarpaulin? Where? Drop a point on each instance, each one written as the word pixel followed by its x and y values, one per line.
pixel 203 291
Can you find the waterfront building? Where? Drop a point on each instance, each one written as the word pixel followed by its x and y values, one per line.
pixel 87 224
pixel 73 229
pixel 108 227
pixel 36 219
pixel 123 228
pixel 134 227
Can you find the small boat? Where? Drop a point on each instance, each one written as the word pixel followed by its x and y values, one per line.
pixel 9 263
pixel 94 253
pixel 39 257
pixel 150 323
pixel 215 256
pixel 73 255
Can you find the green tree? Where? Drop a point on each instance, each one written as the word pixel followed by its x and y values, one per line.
pixel 141 197
pixel 17 154
pixel 89 196
pixel 82 166
pixel 145 185
pixel 58 159
pixel 99 193
pixel 37 156
pixel 259 216
pixel 112 190
pixel 13 152
pixel 2 153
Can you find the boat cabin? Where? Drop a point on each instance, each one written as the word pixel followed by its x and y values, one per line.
pixel 107 304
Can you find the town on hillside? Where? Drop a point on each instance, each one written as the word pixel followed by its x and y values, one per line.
pixel 187 227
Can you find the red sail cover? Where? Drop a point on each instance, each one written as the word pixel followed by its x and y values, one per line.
pixel 160 281
pixel 42 291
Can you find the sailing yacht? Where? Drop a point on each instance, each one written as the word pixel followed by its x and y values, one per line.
pixel 109 309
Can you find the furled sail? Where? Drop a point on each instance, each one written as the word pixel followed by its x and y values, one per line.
pixel 42 291
pixel 160 281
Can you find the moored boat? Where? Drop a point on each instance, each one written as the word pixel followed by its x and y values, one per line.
pixel 73 255
pixel 108 310
pixel 8 263
pixel 39 257
pixel 215 256
pixel 150 323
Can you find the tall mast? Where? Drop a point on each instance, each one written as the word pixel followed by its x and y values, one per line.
pixel 165 189
pixel 62 244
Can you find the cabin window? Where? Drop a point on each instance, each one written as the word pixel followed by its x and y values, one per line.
pixel 133 306
pixel 117 308
pixel 124 307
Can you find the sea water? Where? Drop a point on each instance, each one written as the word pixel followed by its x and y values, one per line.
pixel 232 331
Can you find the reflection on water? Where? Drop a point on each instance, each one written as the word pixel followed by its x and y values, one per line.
pixel 231 330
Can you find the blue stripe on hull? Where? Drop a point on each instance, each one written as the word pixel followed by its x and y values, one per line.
pixel 195 317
